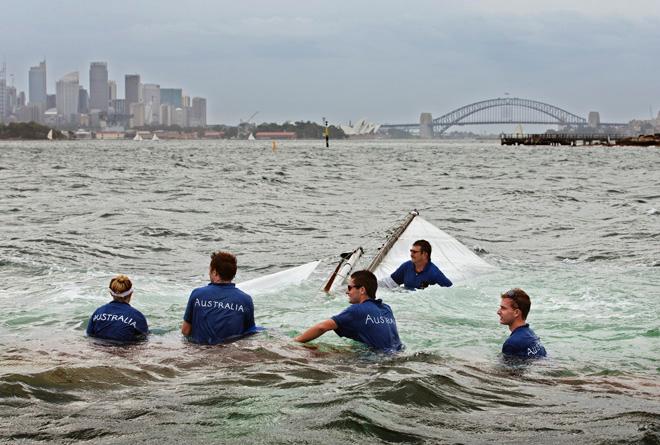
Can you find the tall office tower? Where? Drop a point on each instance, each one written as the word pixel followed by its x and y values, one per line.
pixel 112 91
pixel 83 100
pixel 185 101
pixel 119 105
pixel 166 114
pixel 3 93
pixel 171 96
pixel 198 118
pixel 11 100
pixel 21 99
pixel 151 99
pixel 131 90
pixel 98 86
pixel 66 99
pixel 37 85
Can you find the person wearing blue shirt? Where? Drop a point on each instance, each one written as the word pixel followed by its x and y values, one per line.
pixel 118 320
pixel 522 342
pixel 419 272
pixel 366 320
pixel 218 311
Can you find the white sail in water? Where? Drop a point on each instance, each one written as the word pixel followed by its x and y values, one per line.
pixel 49 136
pixel 137 137
pixel 455 260
pixel 278 280
pixel 155 138
pixel 251 137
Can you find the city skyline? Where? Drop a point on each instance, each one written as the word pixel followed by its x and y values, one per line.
pixel 345 61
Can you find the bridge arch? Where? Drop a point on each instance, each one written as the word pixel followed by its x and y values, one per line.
pixel 508 110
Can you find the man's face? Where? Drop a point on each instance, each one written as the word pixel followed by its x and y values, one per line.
pixel 416 254
pixel 353 292
pixel 507 312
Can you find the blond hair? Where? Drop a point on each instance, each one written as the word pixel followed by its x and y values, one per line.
pixel 120 284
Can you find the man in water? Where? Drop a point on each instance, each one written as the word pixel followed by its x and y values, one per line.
pixel 366 320
pixel 419 272
pixel 218 311
pixel 522 341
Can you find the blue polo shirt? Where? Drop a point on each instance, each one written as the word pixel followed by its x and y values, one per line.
pixel 219 312
pixel 407 276
pixel 117 321
pixel 523 343
pixel 370 322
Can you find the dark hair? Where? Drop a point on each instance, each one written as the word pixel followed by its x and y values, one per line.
pixel 224 264
pixel 366 279
pixel 424 245
pixel 520 300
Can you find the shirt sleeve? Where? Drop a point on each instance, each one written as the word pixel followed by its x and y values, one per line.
pixel 187 316
pixel 345 318
pixel 142 325
pixel 387 283
pixel 441 279
pixel 397 275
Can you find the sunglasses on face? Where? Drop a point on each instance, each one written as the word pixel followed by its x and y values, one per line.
pixel 415 251
pixel 352 287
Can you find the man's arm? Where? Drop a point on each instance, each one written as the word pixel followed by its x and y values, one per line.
pixel 186 328
pixel 316 331
pixel 441 279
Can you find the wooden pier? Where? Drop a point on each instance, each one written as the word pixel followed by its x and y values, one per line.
pixel 560 139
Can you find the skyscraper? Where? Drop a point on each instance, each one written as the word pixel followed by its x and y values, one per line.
pixel 112 90
pixel 98 86
pixel 171 96
pixel 68 93
pixel 131 90
pixel 198 118
pixel 151 98
pixel 37 84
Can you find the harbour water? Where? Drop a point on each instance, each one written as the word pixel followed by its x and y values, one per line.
pixel 577 227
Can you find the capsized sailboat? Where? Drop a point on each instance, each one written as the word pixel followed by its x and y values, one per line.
pixel 49 136
pixel 454 259
pixel 278 280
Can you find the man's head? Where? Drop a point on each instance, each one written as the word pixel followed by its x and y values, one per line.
pixel 361 285
pixel 224 265
pixel 420 252
pixel 514 307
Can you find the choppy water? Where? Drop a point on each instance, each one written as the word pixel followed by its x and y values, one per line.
pixel 578 228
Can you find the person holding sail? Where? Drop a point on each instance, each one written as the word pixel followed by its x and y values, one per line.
pixel 419 272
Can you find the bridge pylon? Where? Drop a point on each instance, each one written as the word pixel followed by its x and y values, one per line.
pixel 426 126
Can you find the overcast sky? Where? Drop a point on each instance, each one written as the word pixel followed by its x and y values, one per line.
pixel 385 61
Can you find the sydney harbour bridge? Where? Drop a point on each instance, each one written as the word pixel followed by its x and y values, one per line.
pixel 508 110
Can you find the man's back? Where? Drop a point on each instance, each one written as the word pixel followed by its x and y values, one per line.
pixel 371 323
pixel 219 311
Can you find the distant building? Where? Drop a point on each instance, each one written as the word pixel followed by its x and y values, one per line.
pixel 51 101
pixel 112 91
pixel 171 96
pixel 151 99
pixel 594 119
pixel 198 117
pixel 30 113
pixel 98 86
pixel 360 128
pixel 137 115
pixel 67 96
pixel 83 100
pixel 37 85
pixel 131 90
pixel 119 106
pixel 185 101
pixel 426 126
pixel 166 114
pixel 181 117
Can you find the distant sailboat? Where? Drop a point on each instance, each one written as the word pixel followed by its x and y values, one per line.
pixel 251 137
pixel 155 138
pixel 137 137
pixel 49 136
